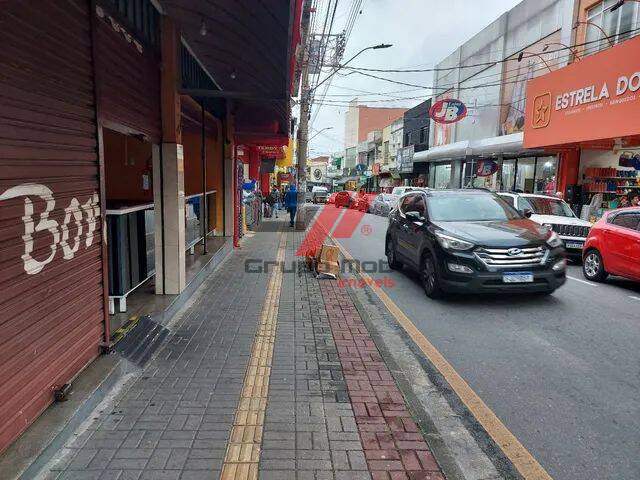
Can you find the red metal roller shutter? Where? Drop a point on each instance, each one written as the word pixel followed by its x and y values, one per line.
pixel 128 81
pixel 51 288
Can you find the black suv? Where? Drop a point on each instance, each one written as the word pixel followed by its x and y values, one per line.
pixel 472 241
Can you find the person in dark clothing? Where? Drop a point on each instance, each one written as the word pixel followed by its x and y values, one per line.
pixel 272 201
pixel 291 202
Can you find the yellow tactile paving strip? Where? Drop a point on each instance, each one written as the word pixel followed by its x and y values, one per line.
pixel 243 451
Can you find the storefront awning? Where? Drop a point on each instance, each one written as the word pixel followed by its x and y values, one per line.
pixel 249 50
pixel 452 151
pixel 505 145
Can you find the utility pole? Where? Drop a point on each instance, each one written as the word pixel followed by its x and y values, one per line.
pixel 303 139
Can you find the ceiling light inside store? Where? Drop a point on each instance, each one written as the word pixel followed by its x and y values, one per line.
pixel 203 28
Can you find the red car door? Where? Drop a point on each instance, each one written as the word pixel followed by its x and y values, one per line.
pixel 622 244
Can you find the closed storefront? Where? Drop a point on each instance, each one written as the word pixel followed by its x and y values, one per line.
pixel 127 67
pixel 51 275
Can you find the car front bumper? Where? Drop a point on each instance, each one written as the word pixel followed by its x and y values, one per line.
pixel 545 279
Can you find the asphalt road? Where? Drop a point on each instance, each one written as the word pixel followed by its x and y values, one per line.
pixel 562 372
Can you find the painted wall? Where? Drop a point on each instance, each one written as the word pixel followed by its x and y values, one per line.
pixel 193 169
pixel 371 119
pixel 126 160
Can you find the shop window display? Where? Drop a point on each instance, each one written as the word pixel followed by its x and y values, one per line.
pixel 546 169
pixel 525 175
pixel 440 176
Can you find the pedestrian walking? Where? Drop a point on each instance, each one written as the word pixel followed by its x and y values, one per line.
pixel 272 204
pixel 291 202
pixel 277 197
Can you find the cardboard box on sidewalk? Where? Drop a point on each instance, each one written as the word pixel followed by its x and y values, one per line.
pixel 329 267
pixel 328 253
pixel 327 260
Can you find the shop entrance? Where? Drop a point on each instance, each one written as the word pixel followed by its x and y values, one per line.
pixel 128 167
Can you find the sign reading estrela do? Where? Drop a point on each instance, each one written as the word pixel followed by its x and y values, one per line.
pixel 596 98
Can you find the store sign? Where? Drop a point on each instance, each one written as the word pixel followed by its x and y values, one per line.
pixel 58 233
pixel 448 111
pixel 118 28
pixel 597 98
pixel 271 151
pixel 405 159
pixel 486 168
pixel 285 177
pixel 376 169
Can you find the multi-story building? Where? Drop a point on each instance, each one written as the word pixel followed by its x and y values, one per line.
pixel 489 73
pixel 361 119
pixel 416 123
pixel 588 113
pixel 391 143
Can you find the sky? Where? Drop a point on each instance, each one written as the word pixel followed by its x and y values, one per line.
pixel 423 32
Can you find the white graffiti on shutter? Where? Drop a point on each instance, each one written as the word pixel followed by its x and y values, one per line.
pixel 90 209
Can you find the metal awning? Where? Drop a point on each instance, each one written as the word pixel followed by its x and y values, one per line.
pixel 506 145
pixel 452 151
pixel 247 48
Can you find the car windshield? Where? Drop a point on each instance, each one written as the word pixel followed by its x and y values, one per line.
pixel 469 208
pixel 546 206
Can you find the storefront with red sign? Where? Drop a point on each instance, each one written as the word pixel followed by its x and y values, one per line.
pixel 589 113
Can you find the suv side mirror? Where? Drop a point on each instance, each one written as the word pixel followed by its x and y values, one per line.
pixel 527 213
pixel 414 216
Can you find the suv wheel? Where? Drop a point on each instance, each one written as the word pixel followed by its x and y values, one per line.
pixel 593 268
pixel 429 276
pixel 393 262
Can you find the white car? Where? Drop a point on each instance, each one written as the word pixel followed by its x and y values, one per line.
pixel 554 213
pixel 399 191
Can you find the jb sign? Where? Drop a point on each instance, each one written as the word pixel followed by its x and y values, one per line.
pixel 447 111
pixel 82 216
pixel 595 99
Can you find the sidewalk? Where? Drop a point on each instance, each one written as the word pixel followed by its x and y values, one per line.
pixel 267 375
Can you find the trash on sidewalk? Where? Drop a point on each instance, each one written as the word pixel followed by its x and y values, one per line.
pixel 326 262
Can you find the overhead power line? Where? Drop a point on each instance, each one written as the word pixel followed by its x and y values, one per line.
pixel 487 64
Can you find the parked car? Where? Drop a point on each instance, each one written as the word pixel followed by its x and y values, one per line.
pixel 383 204
pixel 319 194
pixel 613 246
pixel 344 199
pixel 556 214
pixel 472 241
pixel 402 190
pixel 332 198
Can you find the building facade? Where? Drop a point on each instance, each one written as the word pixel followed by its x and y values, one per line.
pixel 118 164
pixel 361 119
pixel 485 149
pixel 588 112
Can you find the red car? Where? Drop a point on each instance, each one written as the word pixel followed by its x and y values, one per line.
pixel 613 246
pixel 332 198
pixel 363 202
pixel 344 199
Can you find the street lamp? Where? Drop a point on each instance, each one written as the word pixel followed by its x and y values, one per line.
pixel 374 47
pixel 578 23
pixel 572 50
pixel 620 3
pixel 320 131
pixel 532 54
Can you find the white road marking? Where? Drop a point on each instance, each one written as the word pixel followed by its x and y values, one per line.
pixel 635 298
pixel 582 281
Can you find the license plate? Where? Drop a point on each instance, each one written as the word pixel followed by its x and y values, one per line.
pixel 517 277
pixel 577 245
